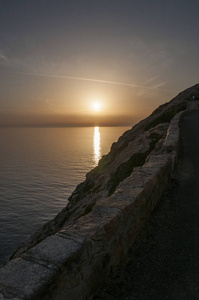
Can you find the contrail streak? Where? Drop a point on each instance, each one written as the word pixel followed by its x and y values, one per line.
pixel 75 78
pixel 87 79
pixel 150 79
pixel 158 85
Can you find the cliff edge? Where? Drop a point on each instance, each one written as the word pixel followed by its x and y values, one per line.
pixel 71 255
pixel 132 149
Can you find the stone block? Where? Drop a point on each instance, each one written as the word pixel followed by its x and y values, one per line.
pixel 99 225
pixel 120 201
pixel 23 279
pixel 55 251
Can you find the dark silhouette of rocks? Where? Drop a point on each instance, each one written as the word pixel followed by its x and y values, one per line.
pixel 131 150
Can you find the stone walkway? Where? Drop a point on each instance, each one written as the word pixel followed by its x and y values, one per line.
pixel 164 262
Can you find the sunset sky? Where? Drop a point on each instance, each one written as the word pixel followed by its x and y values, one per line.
pixel 59 57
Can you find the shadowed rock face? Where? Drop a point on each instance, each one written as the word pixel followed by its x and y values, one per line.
pixel 133 148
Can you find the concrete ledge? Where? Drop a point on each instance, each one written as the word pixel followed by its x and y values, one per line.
pixel 72 263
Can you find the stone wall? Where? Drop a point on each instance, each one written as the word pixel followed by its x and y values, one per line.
pixel 73 262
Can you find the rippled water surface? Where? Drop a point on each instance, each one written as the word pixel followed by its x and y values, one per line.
pixel 39 168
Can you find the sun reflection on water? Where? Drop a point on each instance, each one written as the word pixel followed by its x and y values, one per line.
pixel 96 145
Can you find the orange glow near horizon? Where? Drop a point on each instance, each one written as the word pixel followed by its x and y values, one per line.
pixel 80 107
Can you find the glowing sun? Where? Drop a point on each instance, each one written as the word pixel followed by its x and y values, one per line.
pixel 96 106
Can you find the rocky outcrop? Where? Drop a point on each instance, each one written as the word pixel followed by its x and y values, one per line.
pixel 70 255
pixel 131 150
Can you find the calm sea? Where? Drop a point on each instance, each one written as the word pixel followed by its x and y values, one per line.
pixel 39 169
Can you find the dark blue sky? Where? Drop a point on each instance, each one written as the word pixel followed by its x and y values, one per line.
pixel 150 45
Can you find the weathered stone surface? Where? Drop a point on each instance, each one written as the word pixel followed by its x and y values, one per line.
pixel 54 251
pixel 98 225
pixel 120 201
pixel 171 140
pixel 23 279
pixel 3 298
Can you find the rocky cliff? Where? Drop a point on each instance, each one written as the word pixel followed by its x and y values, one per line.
pixel 133 148
pixel 70 255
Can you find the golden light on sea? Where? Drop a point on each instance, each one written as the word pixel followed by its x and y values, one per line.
pixel 96 145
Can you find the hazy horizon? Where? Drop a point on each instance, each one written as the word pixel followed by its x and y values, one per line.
pixel 18 120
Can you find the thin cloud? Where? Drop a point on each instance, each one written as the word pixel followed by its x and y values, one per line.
pixel 91 80
pixel 75 78
pixel 159 85
pixel 150 80
pixel 2 56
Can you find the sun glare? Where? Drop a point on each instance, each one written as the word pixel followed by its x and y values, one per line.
pixel 96 106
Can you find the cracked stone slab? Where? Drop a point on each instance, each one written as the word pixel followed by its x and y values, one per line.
pixel 120 201
pixel 71 236
pixel 55 251
pixel 98 225
pixel 21 279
